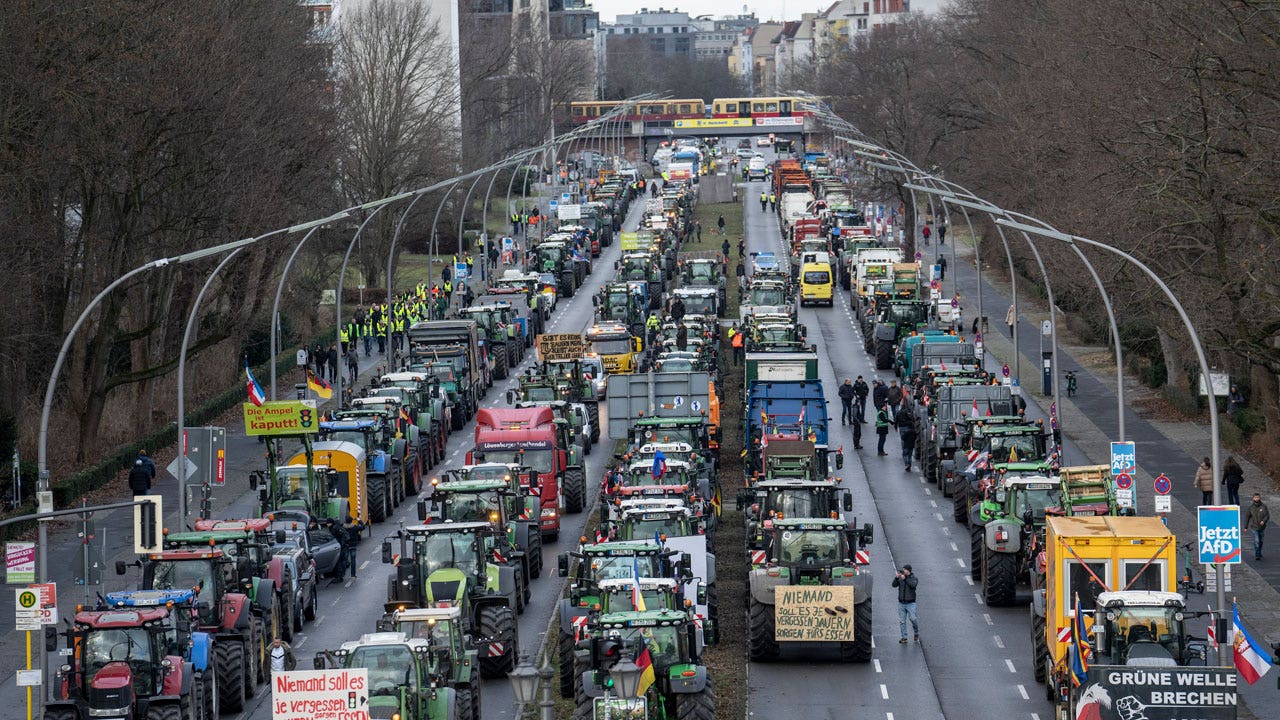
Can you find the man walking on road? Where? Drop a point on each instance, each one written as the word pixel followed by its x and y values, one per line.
pixel 764 202
pixel 906 421
pixel 141 474
pixel 1259 516
pixel 846 402
pixel 879 394
pixel 906 582
pixel 942 267
pixel 882 428
pixel 860 391
pixel 1009 317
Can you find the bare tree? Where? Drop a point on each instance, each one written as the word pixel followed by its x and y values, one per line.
pixel 397 108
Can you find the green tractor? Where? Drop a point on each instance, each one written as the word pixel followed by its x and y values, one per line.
pixel 1013 443
pixel 443 628
pixel 811 553
pixel 895 319
pixel 461 564
pixel 319 491
pixel 408 677
pixel 399 438
pixel 428 407
pixel 498 328
pixel 598 562
pixel 469 494
pixel 785 498
pixel 621 302
pixel 677 687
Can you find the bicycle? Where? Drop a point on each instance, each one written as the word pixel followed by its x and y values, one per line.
pixel 1188 582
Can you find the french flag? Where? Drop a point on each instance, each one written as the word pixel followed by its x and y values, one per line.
pixel 256 396
pixel 659 465
pixel 1252 660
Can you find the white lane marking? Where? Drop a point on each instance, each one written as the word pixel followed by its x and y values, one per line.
pixel 954 548
pixel 946 530
pixel 933 503
pixel 1009 663
pixel 938 516
pixel 921 479
pixel 888 716
pixel 320 620
pixel 927 491
pixel 1035 716
pixel 977 597
pixel 884 692
pixel 876 662
pixel 960 563
pixel 1022 690
pixel 999 641
pixel 987 617
pixel 364 564
pixel 348 582
pixel 969 579
pixel 301 642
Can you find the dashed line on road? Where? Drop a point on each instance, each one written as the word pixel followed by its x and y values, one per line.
pixel 946 530
pixel 1009 663
pixel 927 491
pixel 1022 690
pixel 933 503
pixel 938 516
pixel 954 548
pixel 999 641
pixel 987 617
pixel 969 579
pixel 960 562
pixel 884 692
pixel 978 597
pixel 876 663
pixel 364 564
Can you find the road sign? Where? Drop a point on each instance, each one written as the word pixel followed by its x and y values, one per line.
pixel 320 695
pixel 1124 481
pixel 1124 458
pixel 1164 504
pixel 696 405
pixel 1218 536
pixel 26 609
pixel 1163 484
pixel 192 468
pixel 20 562
pixel 1046 328
pixel 1211 578
pixel 1124 491
pixel 552 205
pixel 1005 370
pixel 678 401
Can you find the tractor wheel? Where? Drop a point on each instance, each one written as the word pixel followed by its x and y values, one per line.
pixel 499 623
pixel 593 414
pixel 476 693
pixel 260 663
pixel 859 651
pixel 579 695
pixel 212 700
pixel 977 542
pixel 60 713
pixel 228 658
pixel 564 650
pixel 761 644
pixel 199 702
pixel 500 365
pixel 191 703
pixel 376 490
pixel 1039 648
pixel 697 706
pixel 167 711
pixel 584 710
pixel 463 700
pixel 960 505
pixel 713 602
pixel 299 610
pixel 884 355
pixel 309 612
pixel 288 621
pixel 574 489
pixel 533 547
pixel 999 578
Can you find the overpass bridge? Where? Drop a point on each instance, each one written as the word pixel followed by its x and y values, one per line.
pixel 643 137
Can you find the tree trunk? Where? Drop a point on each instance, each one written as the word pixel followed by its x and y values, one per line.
pixel 1265 396
pixel 1176 375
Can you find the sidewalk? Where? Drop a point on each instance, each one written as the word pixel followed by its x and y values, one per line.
pixel 1170 447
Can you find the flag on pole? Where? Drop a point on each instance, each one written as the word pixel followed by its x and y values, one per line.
pixel 317 384
pixel 637 597
pixel 973 413
pixel 659 465
pixel 1252 660
pixel 647 677
pixel 256 396
pixel 1079 647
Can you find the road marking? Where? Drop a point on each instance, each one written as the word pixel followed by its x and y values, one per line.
pixel 1035 716
pixel 888 716
pixel 320 620
pixel 1022 690
pixel 1009 662
pixel 300 643
pixel 933 503
pixel 978 597
pixel 960 563
pixel 987 617
pixel 884 692
pixel 939 516
pixel 953 549
pixel 364 564
pixel 927 491
pixel 921 480
pixel 969 579
pixel 876 662
pixel 946 530
pixel 999 642
pixel 348 582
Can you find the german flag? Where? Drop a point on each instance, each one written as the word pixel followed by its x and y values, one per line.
pixel 317 384
pixel 647 677
pixel 404 415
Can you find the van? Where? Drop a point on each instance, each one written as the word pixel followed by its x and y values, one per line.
pixel 816 284
pixel 757 169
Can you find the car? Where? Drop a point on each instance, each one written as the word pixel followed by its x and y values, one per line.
pixel 763 141
pixel 593 369
pixel 764 261
pixel 744 143
pixel 303 572
pixel 548 283
pixel 745 153
pixel 319 543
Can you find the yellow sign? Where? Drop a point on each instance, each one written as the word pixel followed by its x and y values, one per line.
pixel 636 240
pixel 283 417
pixel 565 346
pixel 813 613
pixel 714 123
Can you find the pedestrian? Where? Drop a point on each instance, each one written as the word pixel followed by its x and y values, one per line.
pixel 846 402
pixel 467 295
pixel 141 474
pixel 906 422
pixel 697 229
pixel 282 659
pixel 879 393
pixel 882 428
pixel 773 202
pixel 724 249
pixel 742 248
pixel 1259 516
pixel 1204 482
pixel 677 309
pixel 942 268
pixel 764 201
pixel 738 341
pixel 720 225
pixel 682 337
pixel 333 362
pixel 925 232
pixel 860 391
pixel 319 357
pixel 857 435
pixel 353 366
pixel 1233 478
pixel 1235 401
pixel 906 582
pixel 894 395
pixel 446 274
pixel 1009 317
pixel 974 331
pixel 942 234
pixel 741 272
pixel 348 536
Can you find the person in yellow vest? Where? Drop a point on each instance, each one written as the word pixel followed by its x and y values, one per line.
pixel 764 201
pixel 366 332
pixel 448 290
pixel 344 337
pixel 399 333
pixel 381 331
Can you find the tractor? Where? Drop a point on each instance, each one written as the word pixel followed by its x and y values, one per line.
pixel 442 627
pixel 407 677
pixel 468 496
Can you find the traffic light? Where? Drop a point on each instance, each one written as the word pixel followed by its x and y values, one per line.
pixel 606 652
pixel 148 524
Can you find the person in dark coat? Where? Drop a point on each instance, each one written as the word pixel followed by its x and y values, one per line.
pixel 879 394
pixel 883 421
pixel 141 474
pixel 1233 478
pixel 905 419
pixel 860 391
pixel 905 581
pixel 846 402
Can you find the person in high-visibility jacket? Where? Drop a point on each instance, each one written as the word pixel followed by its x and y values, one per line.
pixel 737 339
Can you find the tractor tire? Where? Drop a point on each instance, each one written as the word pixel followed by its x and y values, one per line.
pixel 1039 648
pixel 376 491
pixel 859 651
pixel 977 543
pixel 999 578
pixel 261 663
pixel 166 711
pixel 761 644
pixel 533 548
pixel 199 702
pixel 288 621
pixel 500 365
pixel 60 713
pixel 697 706
pixel 593 414
pixel 960 505
pixel 228 659
pixel 713 602
pixel 884 355
pixel 191 703
pixel 309 612
pixel 464 700
pixel 498 621
pixel 477 693
pixel 299 611
pixel 579 695
pixel 209 691
pixel 564 654
pixel 584 710
pixel 574 489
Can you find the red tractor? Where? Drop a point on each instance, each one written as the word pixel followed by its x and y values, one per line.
pixel 126 665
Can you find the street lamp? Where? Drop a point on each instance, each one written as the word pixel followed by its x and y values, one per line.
pixel 524 684
pixel 626 678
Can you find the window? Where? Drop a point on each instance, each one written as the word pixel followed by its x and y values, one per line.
pixel 1138 577
pixel 577 111
pixel 862 23
pixel 685 108
pixel 658 45
pixel 1081 583
pixel 757 107
pixel 728 108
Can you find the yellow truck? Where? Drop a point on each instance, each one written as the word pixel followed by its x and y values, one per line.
pixel 341 465
pixel 1139 658
pixel 618 349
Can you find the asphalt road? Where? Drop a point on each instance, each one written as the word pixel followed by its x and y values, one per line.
pixel 972 661
pixel 349 609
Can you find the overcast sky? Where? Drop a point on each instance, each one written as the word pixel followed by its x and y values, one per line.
pixel 764 9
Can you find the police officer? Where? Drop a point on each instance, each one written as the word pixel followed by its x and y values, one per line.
pixel 764 201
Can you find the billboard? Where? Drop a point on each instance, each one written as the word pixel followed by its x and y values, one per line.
pixel 281 417
pixel 711 123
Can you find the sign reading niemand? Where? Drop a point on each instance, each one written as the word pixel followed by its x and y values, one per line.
pixel 283 417
pixel 823 614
